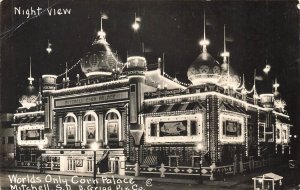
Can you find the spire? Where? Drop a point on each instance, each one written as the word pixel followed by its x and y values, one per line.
pixel 204 42
pixel 30 78
pixel 254 78
pixel 49 49
pixel 225 54
pixel 275 86
pixel 255 94
pixel 136 23
pixel 66 70
pixel 101 34
pixel 243 84
pixel 136 45
pixel 136 61
pixel 163 63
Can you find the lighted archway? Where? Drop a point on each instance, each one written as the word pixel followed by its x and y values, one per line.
pixel 90 127
pixel 70 128
pixel 112 126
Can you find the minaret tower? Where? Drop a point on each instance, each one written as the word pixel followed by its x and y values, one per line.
pixel 136 66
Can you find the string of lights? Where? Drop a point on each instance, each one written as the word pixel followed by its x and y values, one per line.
pixel 175 80
pixel 68 70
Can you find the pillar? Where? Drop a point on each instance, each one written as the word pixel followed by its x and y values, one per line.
pixel 61 129
pixel 213 127
pixel 101 132
pixel 80 137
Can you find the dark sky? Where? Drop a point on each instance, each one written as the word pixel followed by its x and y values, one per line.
pixel 259 32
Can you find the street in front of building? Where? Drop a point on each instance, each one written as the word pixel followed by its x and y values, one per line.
pixel 31 180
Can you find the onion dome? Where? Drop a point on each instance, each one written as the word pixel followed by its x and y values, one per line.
pixel 30 97
pixel 228 77
pixel 205 69
pixel 100 62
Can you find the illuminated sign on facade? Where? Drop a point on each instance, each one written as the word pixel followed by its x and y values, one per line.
pixel 91 99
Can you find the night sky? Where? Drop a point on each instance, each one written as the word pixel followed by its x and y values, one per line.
pixel 259 32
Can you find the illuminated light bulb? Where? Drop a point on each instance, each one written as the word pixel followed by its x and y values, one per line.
pixel 244 91
pixel 135 26
pixel 298 6
pixel 256 96
pixel 204 42
pixel 276 85
pixel 49 49
pixel 199 147
pixel 40 146
pixel 225 54
pixel 138 19
pixel 267 69
pixel 101 33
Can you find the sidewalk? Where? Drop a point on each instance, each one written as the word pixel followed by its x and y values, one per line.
pixel 231 181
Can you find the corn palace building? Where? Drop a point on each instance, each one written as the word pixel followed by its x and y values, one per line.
pixel 149 121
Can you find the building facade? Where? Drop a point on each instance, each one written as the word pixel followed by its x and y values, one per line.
pixel 7 139
pixel 148 121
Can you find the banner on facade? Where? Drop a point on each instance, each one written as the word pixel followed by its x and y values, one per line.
pixel 91 99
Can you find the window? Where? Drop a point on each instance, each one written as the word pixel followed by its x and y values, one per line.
pixel 261 131
pixel 176 128
pixel 112 125
pixel 132 88
pixel 71 164
pixel 153 130
pixel 71 132
pixel 269 137
pixel 70 127
pixel 10 140
pixel 90 127
pixel 33 157
pixel 232 129
pixel 284 134
pixel 193 127
pixel 3 140
pixel 269 134
pixel 36 134
pixel 278 134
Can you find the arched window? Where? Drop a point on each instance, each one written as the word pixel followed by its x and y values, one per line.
pixel 113 126
pixel 70 128
pixel 90 127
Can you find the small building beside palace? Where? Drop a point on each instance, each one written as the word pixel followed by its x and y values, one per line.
pixel 7 140
pixel 149 121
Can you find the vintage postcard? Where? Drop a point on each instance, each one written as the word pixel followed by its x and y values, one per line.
pixel 149 94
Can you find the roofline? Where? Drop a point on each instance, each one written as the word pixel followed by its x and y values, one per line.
pixel 213 93
pixel 28 113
